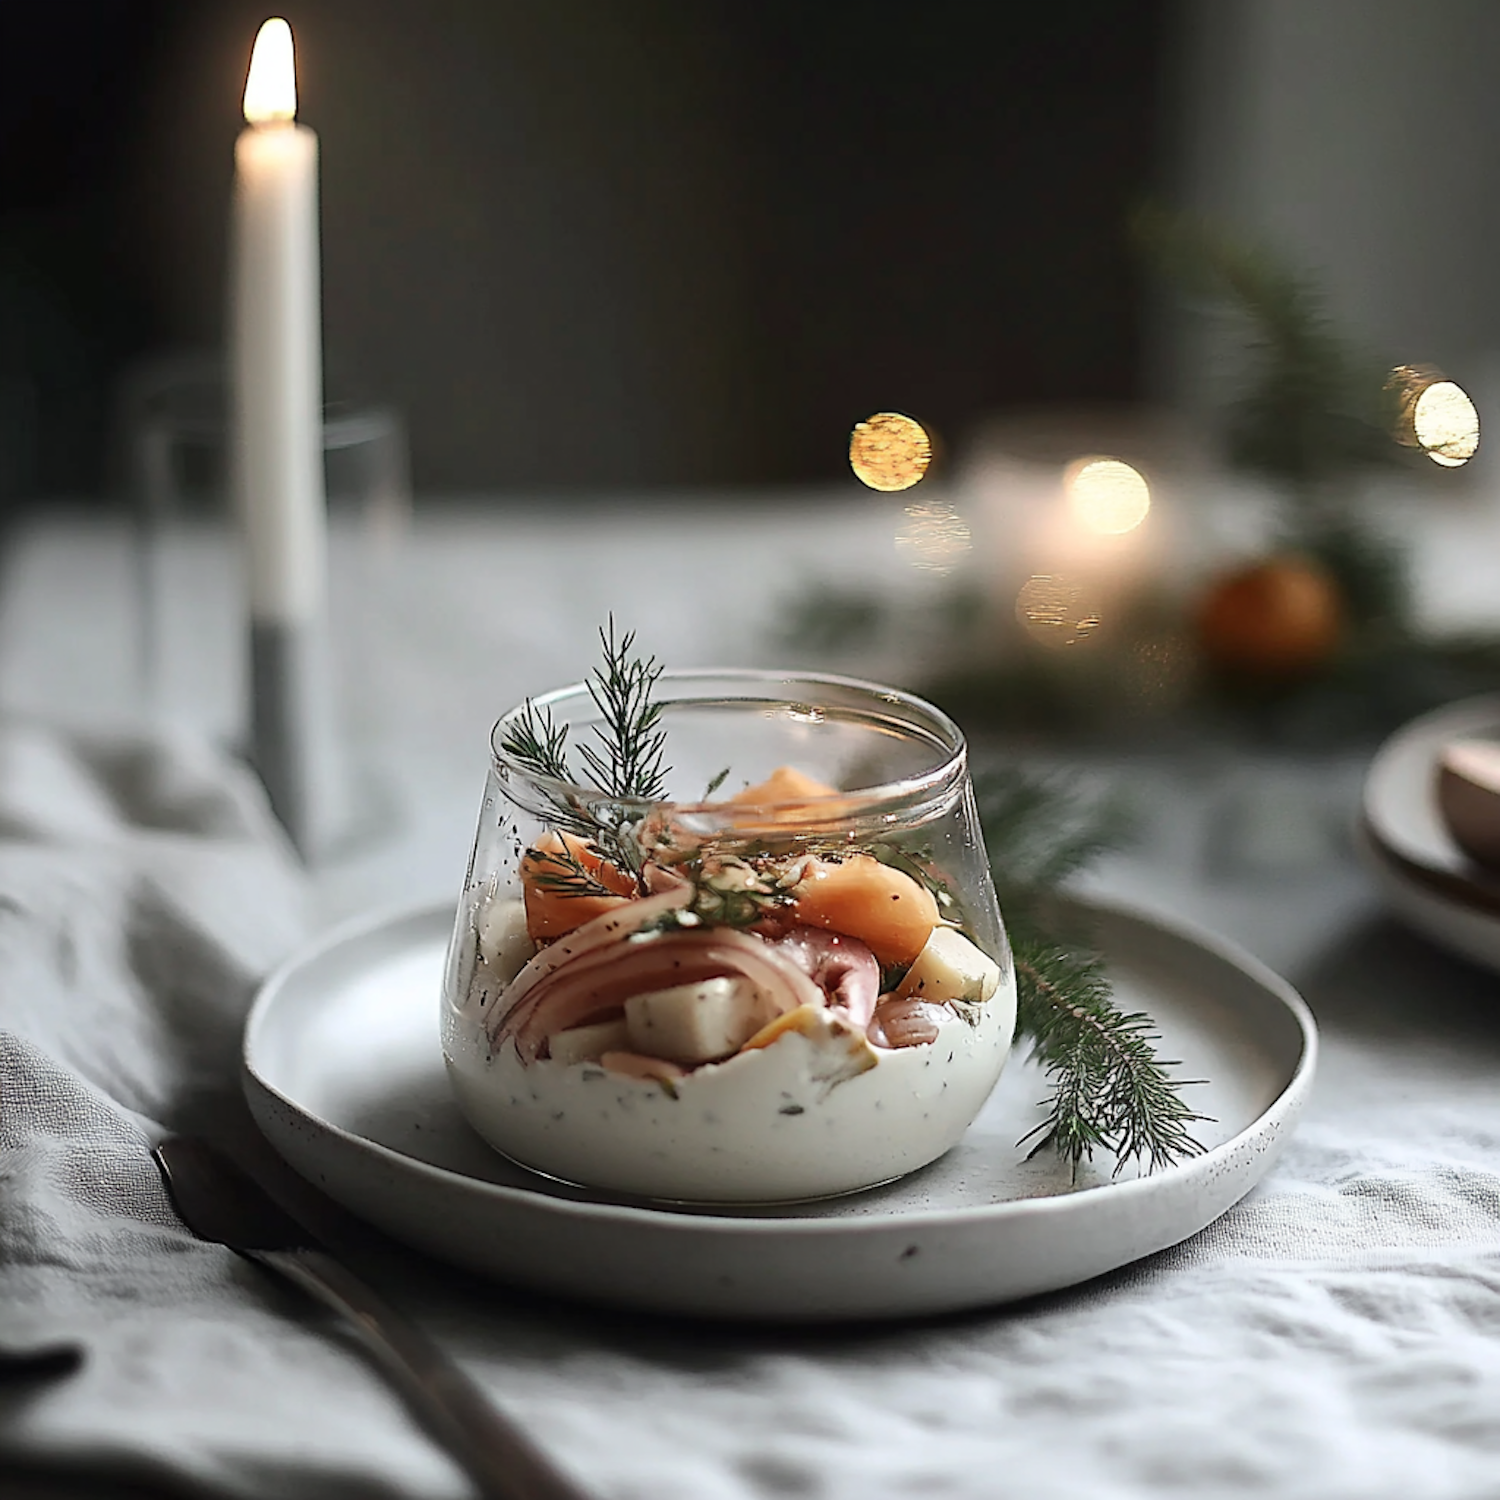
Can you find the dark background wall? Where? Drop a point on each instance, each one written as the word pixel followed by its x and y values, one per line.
pixel 581 243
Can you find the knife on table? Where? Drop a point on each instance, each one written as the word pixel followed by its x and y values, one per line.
pixel 221 1203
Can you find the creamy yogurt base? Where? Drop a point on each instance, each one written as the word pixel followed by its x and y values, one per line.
pixel 763 1126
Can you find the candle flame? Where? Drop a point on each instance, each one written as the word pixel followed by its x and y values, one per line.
pixel 271 88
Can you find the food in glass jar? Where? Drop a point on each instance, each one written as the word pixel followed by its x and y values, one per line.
pixel 763 1014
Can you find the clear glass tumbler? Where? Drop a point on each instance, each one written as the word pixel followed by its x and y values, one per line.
pixel 786 977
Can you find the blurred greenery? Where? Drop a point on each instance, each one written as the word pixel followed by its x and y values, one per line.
pixel 1310 413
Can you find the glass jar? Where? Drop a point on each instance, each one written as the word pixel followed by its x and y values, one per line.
pixel 784 978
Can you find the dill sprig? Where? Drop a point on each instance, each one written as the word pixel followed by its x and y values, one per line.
pixel 633 762
pixel 630 765
pixel 539 745
pixel 561 871
pixel 1110 1090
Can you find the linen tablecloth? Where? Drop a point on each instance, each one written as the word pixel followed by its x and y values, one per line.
pixel 1337 1334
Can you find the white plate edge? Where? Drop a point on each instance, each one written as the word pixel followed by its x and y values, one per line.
pixel 1287 1105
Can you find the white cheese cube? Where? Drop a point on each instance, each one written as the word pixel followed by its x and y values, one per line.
pixel 694 1023
pixel 950 967
pixel 504 943
pixel 588 1043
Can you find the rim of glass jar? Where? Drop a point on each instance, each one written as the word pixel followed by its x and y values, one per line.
pixel 912 795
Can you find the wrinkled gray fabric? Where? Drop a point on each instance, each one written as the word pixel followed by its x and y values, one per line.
pixel 1336 1335
pixel 143 890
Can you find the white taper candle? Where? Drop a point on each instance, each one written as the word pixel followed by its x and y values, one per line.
pixel 276 373
pixel 276 439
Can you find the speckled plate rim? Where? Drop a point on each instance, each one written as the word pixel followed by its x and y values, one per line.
pixel 1282 1111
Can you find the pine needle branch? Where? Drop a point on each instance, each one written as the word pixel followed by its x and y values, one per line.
pixel 1041 832
pixel 1110 1091
pixel 539 745
pixel 1313 408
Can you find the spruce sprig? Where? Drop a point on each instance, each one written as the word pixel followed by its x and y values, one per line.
pixel 1110 1090
pixel 1042 831
pixel 1311 409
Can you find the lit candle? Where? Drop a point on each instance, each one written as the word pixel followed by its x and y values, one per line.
pixel 276 344
pixel 276 418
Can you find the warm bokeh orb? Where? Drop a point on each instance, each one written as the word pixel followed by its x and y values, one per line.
pixel 934 536
pixel 1057 611
pixel 1434 414
pixel 889 451
pixel 1446 424
pixel 1107 495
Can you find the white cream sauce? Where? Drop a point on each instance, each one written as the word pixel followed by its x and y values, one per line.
pixel 763 1126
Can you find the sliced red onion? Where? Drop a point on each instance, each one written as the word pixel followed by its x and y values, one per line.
pixel 900 1021
pixel 610 927
pixel 842 966
pixel 597 982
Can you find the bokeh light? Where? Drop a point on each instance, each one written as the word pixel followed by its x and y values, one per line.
pixel 1107 495
pixel 889 451
pixel 1157 672
pixel 934 535
pixel 1446 424
pixel 1434 414
pixel 1058 611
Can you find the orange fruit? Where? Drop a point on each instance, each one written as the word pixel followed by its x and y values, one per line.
pixel 1276 619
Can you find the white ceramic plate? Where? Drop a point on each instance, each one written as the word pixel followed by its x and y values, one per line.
pixel 344 1074
pixel 1423 874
